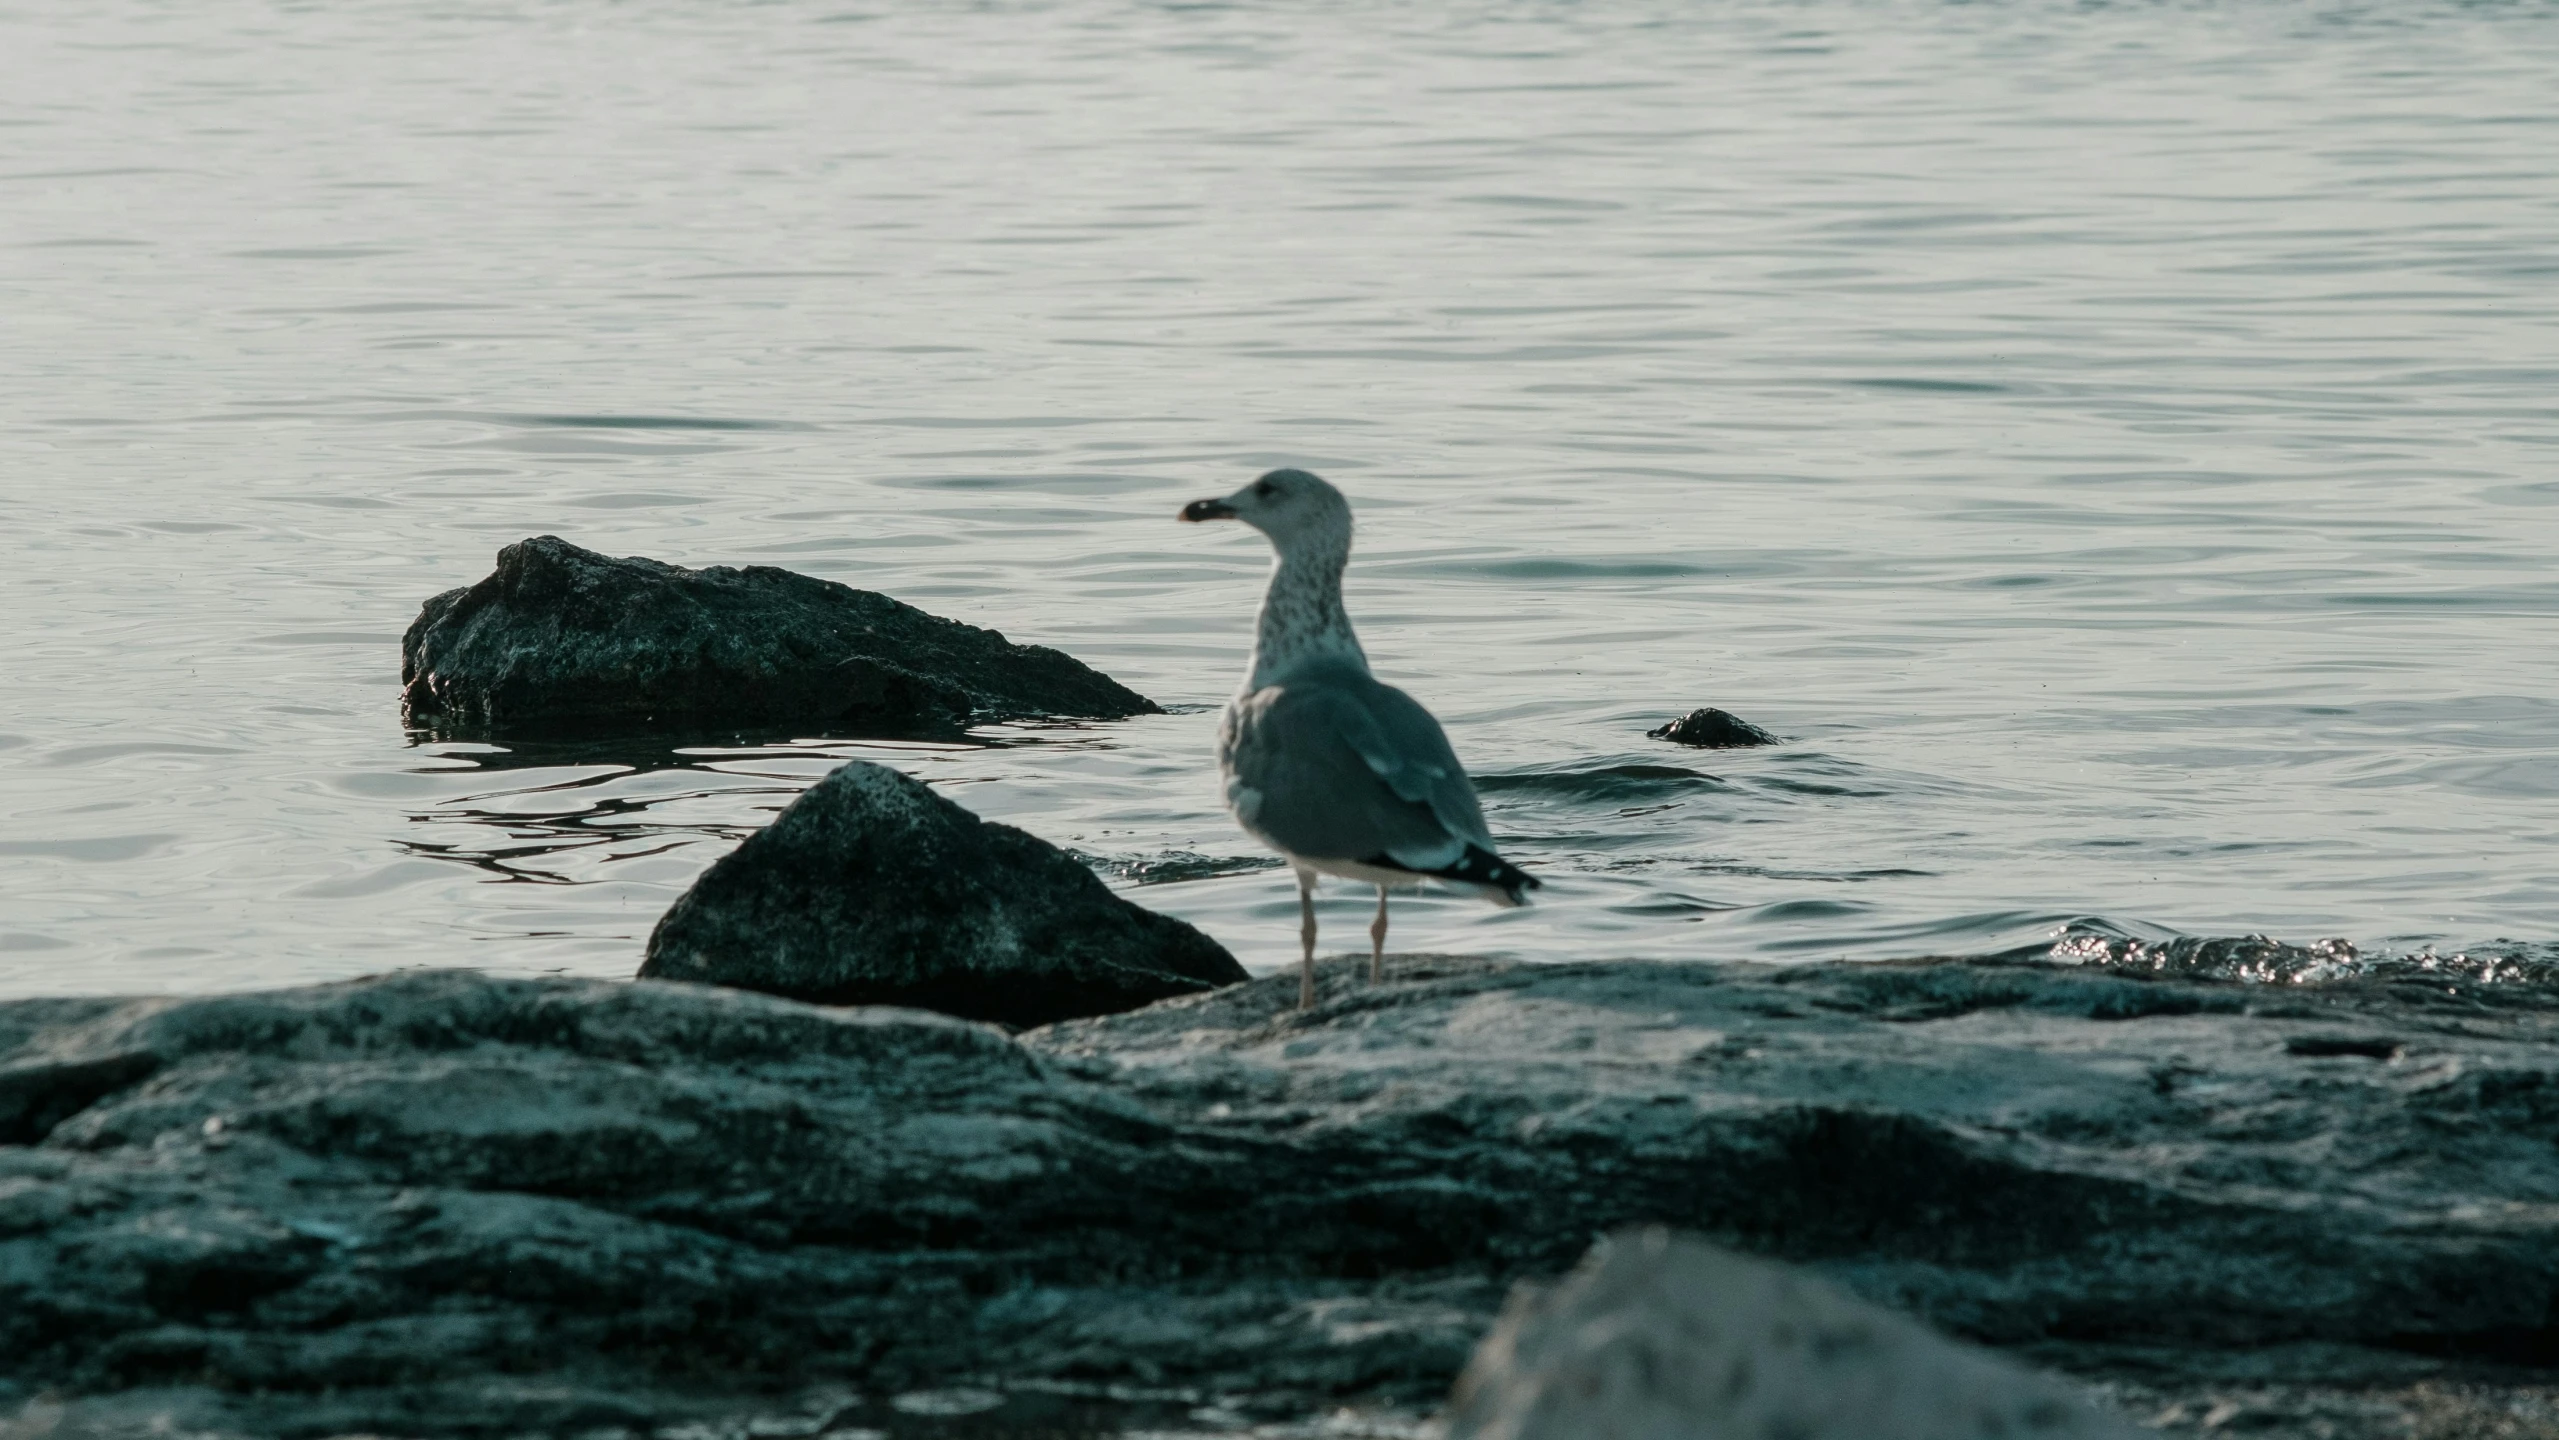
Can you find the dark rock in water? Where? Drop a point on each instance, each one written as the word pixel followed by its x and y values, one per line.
pixel 562 640
pixel 442 1204
pixel 1713 729
pixel 1660 1337
pixel 873 890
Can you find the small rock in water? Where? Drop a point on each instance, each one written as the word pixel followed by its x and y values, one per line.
pixel 873 890
pixel 1663 1337
pixel 1713 730
pixel 561 640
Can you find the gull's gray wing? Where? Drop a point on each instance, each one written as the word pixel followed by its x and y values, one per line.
pixel 1332 765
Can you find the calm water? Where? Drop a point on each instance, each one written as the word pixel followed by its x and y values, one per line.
pixel 2118 444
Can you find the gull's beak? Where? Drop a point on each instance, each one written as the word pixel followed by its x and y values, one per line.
pixel 1208 510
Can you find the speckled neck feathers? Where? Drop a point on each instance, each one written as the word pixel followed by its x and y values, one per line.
pixel 1303 621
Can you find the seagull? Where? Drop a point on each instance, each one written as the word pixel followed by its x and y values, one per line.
pixel 1340 773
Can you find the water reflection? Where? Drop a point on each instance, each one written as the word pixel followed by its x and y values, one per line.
pixel 570 807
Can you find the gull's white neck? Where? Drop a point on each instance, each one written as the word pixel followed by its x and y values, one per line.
pixel 1302 618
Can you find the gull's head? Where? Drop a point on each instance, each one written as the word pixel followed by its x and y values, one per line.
pixel 1292 507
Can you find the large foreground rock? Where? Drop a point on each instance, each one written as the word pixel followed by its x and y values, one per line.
pixel 1663 1337
pixel 873 890
pixel 560 640
pixel 439 1203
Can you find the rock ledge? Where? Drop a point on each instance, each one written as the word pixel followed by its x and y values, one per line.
pixel 358 1207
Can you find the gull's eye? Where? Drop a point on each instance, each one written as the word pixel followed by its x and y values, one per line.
pixel 1265 489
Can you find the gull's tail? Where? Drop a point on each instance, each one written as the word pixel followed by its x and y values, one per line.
pixel 1498 879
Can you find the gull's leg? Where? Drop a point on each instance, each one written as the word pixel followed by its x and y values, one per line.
pixel 1377 940
pixel 1306 939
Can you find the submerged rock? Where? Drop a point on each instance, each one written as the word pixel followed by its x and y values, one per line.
pixel 1713 729
pixel 444 1204
pixel 1663 1337
pixel 873 890
pixel 562 640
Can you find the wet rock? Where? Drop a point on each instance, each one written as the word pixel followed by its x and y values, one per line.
pixel 560 640
pixel 871 889
pixel 1662 1337
pixel 441 1203
pixel 1713 729
pixel 434 1187
pixel 2016 1153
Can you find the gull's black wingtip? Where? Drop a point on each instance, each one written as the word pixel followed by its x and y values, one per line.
pixel 1479 866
